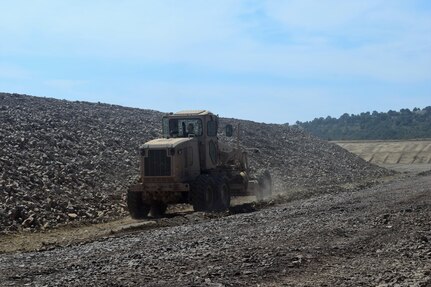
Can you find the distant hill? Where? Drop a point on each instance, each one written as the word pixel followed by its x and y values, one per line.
pixel 404 124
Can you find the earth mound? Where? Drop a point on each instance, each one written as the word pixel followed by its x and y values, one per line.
pixel 63 161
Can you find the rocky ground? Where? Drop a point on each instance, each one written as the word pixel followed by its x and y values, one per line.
pixel 64 162
pixel 337 220
pixel 380 236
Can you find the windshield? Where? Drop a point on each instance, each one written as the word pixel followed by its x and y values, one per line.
pixel 181 128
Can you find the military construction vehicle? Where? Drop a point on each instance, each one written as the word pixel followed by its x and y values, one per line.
pixel 190 165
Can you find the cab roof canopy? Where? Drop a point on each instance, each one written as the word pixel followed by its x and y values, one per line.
pixel 193 113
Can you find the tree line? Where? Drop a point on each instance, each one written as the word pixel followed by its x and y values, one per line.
pixel 403 124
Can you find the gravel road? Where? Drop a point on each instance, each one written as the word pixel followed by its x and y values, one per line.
pixel 379 236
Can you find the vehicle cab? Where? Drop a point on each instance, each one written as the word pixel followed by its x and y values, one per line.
pixel 200 125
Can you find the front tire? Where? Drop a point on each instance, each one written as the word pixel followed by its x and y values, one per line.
pixel 137 207
pixel 158 209
pixel 202 193
pixel 222 194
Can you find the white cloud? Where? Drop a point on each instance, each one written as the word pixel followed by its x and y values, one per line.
pixel 299 42
pixel 64 84
pixel 13 72
pixel 212 35
pixel 318 16
pixel 112 28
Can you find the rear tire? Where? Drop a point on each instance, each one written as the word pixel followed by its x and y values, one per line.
pixel 265 185
pixel 137 208
pixel 222 194
pixel 202 193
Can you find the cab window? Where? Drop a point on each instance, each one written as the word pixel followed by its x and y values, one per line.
pixel 212 128
pixel 181 127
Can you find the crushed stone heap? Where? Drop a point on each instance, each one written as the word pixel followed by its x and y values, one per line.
pixel 63 161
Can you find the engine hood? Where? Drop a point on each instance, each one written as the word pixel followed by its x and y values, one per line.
pixel 165 143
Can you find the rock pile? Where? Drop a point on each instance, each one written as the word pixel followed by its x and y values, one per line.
pixel 297 159
pixel 63 161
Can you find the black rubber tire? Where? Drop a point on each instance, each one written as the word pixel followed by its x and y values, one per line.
pixel 222 194
pixel 202 193
pixel 137 208
pixel 265 185
pixel 158 209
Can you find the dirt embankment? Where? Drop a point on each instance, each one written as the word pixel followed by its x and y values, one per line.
pixel 64 162
pixel 399 155
pixel 380 236
pixel 391 152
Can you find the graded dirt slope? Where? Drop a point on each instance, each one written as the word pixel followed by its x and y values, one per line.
pixel 412 156
pixel 391 152
pixel 63 161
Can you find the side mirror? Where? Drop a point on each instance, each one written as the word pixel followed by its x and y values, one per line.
pixel 229 130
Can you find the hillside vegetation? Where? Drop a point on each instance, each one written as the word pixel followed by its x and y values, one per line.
pixel 404 124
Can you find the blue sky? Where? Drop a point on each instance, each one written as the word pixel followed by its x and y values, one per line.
pixel 267 61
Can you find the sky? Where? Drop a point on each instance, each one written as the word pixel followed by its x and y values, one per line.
pixel 268 61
